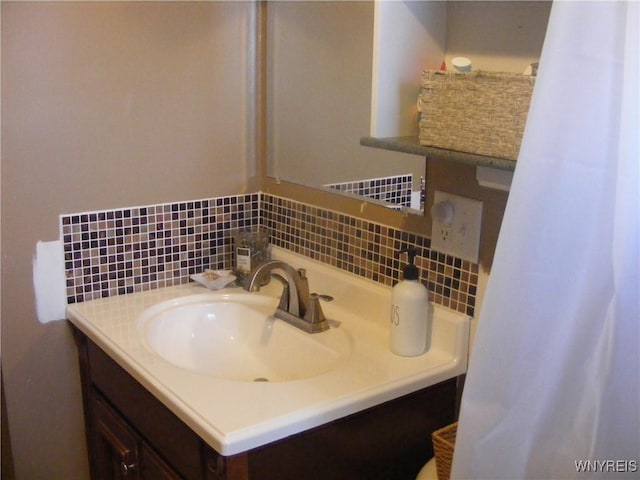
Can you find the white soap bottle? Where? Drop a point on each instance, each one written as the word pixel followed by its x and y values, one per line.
pixel 411 312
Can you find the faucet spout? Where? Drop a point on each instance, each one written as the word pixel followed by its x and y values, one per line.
pixel 297 306
pixel 298 285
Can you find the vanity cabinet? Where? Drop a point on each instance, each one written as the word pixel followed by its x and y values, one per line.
pixel 131 434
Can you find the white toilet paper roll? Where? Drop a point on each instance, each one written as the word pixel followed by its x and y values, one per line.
pixel 49 281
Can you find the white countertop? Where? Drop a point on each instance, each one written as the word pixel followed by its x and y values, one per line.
pixel 236 416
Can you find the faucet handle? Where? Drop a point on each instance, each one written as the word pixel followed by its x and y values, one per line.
pixel 323 297
pixel 314 314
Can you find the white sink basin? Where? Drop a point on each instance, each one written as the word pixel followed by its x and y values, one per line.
pixel 234 336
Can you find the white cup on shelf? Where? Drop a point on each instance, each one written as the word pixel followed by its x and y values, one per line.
pixel 461 64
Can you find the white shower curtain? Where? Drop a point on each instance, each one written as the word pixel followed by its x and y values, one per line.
pixel 552 390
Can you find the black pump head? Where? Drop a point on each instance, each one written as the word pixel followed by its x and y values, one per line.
pixel 410 271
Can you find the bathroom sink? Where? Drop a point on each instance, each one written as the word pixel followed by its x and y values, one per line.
pixel 206 354
pixel 234 336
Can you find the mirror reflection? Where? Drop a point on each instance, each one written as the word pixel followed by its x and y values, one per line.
pixel 319 64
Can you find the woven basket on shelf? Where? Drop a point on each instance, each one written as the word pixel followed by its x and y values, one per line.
pixel 477 112
pixel 444 441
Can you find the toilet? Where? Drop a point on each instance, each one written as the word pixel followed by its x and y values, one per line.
pixel 429 471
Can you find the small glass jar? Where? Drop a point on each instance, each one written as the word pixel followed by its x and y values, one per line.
pixel 250 250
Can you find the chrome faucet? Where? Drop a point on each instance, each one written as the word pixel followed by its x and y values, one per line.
pixel 297 306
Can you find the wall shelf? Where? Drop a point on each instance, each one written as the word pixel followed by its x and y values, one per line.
pixel 412 145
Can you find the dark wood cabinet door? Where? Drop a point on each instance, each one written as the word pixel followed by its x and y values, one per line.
pixel 115 445
pixel 153 467
pixel 120 453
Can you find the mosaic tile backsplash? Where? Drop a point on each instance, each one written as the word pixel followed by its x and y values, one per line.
pixel 395 190
pixel 116 252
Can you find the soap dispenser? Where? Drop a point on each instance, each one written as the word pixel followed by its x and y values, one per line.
pixel 411 311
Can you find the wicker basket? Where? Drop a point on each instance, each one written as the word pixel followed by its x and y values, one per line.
pixel 478 112
pixel 443 444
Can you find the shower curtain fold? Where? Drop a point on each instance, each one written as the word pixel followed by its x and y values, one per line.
pixel 553 384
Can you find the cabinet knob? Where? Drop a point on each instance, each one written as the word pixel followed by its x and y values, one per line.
pixel 127 468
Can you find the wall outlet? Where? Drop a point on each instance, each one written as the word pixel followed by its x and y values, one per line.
pixel 456 225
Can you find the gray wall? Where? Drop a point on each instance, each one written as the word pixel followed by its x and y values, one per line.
pixel 103 105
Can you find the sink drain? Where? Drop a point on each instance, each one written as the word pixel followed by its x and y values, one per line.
pixel 261 379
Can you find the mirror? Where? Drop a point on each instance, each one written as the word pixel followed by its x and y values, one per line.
pixel 319 64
